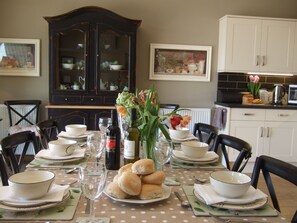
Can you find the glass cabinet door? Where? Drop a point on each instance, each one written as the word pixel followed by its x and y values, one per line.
pixel 113 70
pixel 71 59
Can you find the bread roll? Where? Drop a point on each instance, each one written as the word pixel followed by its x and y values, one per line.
pixel 150 191
pixel 143 167
pixel 157 177
pixel 129 183
pixel 126 168
pixel 114 190
pixel 115 179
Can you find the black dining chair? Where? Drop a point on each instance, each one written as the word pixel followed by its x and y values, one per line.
pixel 245 151
pixel 269 165
pixel 206 133
pixel 48 130
pixel 17 142
pixel 3 170
pixel 169 106
pixel 23 115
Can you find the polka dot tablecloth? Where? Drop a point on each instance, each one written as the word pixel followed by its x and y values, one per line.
pixel 164 211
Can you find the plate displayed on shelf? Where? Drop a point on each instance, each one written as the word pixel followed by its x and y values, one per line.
pixel 209 156
pixel 237 207
pixel 166 195
pixel 11 206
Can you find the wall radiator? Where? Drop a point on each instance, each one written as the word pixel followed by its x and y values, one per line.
pixel 4 124
pixel 203 115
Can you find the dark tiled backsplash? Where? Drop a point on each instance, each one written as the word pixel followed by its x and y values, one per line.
pixel 231 84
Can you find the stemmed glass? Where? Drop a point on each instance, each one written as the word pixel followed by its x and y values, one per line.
pixel 103 123
pixel 92 180
pixel 96 144
pixel 163 151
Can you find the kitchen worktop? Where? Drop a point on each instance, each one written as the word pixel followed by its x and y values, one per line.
pixel 256 106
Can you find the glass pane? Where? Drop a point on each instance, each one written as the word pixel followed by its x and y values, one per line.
pixel 71 60
pixel 114 61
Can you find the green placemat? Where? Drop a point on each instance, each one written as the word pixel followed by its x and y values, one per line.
pixel 39 163
pixel 63 211
pixel 201 209
pixel 84 219
pixel 174 163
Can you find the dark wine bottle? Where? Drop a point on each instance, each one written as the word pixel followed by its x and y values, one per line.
pixel 131 142
pixel 113 143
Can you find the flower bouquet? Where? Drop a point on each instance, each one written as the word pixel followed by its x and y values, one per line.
pixel 254 86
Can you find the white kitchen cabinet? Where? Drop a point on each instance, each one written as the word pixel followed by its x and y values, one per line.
pixel 295 51
pixel 271 132
pixel 255 44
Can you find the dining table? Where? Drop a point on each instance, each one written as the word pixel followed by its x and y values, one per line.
pixel 169 209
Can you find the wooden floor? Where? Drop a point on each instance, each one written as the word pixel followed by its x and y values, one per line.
pixel 286 195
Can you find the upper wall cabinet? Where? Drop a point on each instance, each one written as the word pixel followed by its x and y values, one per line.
pixel 253 44
pixel 92 56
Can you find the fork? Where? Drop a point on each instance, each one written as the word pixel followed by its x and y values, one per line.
pixel 235 220
pixel 225 220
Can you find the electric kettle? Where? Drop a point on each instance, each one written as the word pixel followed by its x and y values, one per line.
pixel 278 93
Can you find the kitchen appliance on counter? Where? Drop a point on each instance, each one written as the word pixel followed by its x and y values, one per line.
pixel 292 95
pixel 278 93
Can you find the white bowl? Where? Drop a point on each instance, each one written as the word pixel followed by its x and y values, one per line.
pixel 194 149
pixel 115 67
pixel 76 129
pixel 229 183
pixel 31 184
pixel 68 66
pixel 179 133
pixel 62 147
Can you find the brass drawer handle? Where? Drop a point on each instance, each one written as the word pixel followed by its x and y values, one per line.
pixel 283 115
pixel 248 114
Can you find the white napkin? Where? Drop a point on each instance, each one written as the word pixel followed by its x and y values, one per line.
pixel 189 137
pixel 47 154
pixel 211 197
pixel 55 194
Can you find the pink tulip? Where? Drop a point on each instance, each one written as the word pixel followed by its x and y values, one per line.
pixel 256 79
pixel 251 77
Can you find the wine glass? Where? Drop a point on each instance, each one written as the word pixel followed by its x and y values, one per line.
pixel 92 180
pixel 103 123
pixel 163 151
pixel 96 144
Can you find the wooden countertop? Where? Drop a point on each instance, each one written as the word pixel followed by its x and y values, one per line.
pixel 266 106
pixel 80 107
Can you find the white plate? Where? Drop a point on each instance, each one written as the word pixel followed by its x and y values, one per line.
pixel 189 137
pixel 66 135
pixel 209 156
pixel 36 207
pixel 48 155
pixel 236 207
pixel 166 195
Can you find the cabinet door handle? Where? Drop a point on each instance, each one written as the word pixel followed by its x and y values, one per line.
pixel 268 132
pixel 263 60
pixel 257 60
pixel 261 134
pixel 248 114
pixel 283 115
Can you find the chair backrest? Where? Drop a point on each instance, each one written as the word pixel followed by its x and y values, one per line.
pixel 23 117
pixel 3 170
pixel 277 167
pixel 205 132
pixel 245 151
pixel 48 130
pixel 9 145
pixel 170 106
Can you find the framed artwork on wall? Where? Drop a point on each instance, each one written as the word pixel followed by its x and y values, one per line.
pixel 180 62
pixel 19 57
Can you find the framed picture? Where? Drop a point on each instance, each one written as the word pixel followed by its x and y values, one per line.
pixel 19 57
pixel 180 62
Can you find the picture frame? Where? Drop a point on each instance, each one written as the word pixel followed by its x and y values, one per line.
pixel 180 62
pixel 19 57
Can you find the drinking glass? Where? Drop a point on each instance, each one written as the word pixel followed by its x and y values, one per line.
pixel 163 151
pixel 92 180
pixel 103 123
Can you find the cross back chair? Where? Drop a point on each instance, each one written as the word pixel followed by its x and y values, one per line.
pixel 170 106
pixel 277 167
pixel 9 146
pixel 3 170
pixel 205 132
pixel 48 130
pixel 245 151
pixel 22 119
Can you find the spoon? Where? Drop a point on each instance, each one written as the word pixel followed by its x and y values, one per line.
pixel 184 203
pixel 71 170
pixel 200 180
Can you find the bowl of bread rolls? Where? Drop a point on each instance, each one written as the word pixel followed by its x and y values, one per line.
pixel 138 183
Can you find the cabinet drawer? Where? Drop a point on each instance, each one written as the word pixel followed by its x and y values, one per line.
pixel 243 114
pixel 281 115
pixel 60 99
pixel 91 100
